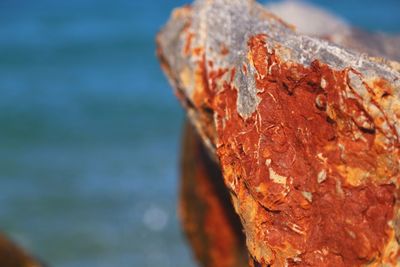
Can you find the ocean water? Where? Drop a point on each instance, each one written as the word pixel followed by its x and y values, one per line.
pixel 90 130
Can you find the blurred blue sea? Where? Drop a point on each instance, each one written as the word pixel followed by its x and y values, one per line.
pixel 89 129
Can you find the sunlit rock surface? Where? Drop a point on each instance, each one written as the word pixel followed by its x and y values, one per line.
pixel 305 131
pixel 314 21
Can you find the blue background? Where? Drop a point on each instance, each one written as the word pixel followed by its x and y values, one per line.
pixel 89 129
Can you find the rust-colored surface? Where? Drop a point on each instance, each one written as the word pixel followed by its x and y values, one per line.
pixel 302 159
pixel 306 135
pixel 209 220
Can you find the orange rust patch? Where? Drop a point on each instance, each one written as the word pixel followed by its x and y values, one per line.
pixel 224 50
pixel 188 44
pixel 188 35
pixel 384 88
pixel 202 94
pixel 258 54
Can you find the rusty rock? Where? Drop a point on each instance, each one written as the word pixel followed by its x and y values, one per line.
pixel 209 220
pixel 306 132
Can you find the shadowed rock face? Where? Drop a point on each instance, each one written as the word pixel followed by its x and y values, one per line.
pixel 209 220
pixel 306 133
pixel 13 256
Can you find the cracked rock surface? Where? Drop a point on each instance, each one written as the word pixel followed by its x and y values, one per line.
pixel 305 131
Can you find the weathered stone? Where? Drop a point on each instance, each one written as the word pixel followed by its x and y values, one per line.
pixel 306 132
pixel 314 21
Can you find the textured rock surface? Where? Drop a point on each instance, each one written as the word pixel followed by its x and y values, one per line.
pixel 314 21
pixel 306 132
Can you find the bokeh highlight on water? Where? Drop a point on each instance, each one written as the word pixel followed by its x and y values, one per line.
pixel 89 136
